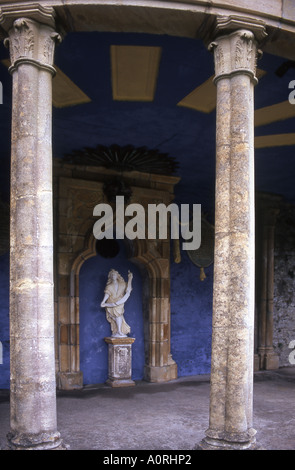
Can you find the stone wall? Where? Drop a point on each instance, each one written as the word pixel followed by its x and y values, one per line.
pixel 284 283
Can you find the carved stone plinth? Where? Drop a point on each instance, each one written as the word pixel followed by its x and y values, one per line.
pixel 120 361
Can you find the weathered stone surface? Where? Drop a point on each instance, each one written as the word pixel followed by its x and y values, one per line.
pixel 33 400
pixel 120 361
pixel 267 210
pixel 230 425
pixel 284 296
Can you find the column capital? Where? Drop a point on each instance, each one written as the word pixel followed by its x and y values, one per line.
pixel 235 41
pixel 31 35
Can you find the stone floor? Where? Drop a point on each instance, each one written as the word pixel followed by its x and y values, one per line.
pixel 169 416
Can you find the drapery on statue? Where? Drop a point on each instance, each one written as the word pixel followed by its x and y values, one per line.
pixel 117 291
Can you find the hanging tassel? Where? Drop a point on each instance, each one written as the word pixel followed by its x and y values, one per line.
pixel 202 274
pixel 176 251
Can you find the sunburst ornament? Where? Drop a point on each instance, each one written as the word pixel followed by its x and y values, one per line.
pixel 126 158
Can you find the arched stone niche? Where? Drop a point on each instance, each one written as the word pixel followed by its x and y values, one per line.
pixel 77 190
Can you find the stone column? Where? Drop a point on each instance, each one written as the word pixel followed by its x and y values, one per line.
pixel 267 208
pixel 33 391
pixel 230 421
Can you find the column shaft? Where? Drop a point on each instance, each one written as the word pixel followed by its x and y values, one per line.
pixel 231 397
pixel 33 390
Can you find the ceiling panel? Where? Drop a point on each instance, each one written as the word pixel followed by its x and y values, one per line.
pixel 275 140
pixel 274 113
pixel 203 98
pixel 65 92
pixel 134 72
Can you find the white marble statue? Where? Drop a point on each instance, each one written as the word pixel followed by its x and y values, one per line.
pixel 117 291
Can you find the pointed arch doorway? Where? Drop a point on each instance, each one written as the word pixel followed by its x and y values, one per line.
pixel 93 324
pixel 78 189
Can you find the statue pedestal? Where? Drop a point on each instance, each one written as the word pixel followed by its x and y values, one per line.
pixel 120 361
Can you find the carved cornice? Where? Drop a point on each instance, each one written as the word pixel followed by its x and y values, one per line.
pixel 34 11
pixel 228 24
pixel 31 35
pixel 235 46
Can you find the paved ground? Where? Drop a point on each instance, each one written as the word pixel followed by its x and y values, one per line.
pixel 171 416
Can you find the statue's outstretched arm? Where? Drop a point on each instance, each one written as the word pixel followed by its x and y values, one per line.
pixel 104 302
pixel 128 290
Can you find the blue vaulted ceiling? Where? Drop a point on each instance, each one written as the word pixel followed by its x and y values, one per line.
pixel 185 134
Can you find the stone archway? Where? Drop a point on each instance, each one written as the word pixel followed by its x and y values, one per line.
pixel 77 191
pixel 87 280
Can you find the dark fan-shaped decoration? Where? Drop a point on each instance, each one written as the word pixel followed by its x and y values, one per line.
pixel 126 158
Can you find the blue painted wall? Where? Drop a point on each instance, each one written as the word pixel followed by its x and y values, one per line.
pixel 191 310
pixel 191 313
pixel 93 324
pixel 4 319
pixel 191 317
pixel 178 131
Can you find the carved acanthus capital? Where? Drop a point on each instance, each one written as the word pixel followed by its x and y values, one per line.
pixel 31 35
pixel 31 42
pixel 235 53
pixel 235 46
